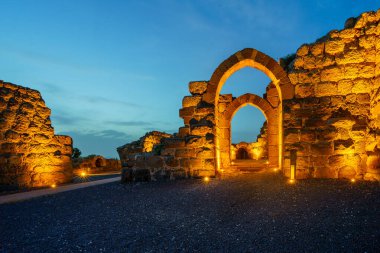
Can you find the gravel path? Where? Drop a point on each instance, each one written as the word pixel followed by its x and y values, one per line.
pixel 246 213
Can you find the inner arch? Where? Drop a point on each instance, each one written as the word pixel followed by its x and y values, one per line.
pixel 246 124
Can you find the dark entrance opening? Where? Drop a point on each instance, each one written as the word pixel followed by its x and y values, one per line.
pixel 242 154
pixel 98 163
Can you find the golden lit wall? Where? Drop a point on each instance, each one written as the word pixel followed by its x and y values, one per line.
pixel 333 120
pixel 30 154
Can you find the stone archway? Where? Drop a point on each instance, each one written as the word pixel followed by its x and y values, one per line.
pixel 255 59
pixel 270 114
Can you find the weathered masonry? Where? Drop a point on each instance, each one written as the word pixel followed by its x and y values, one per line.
pixel 30 154
pixel 323 112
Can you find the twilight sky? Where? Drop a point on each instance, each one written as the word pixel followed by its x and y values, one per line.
pixel 113 70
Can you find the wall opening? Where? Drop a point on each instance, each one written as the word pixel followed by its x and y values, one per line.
pixel 242 154
pixel 98 163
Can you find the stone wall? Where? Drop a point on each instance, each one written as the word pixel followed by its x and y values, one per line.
pixel 323 112
pixel 30 154
pixel 95 164
pixel 332 122
pixel 144 144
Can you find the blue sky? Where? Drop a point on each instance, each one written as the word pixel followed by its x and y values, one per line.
pixel 113 70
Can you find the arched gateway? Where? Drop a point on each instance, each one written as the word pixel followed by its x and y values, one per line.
pixel 284 90
pixel 203 144
pixel 224 126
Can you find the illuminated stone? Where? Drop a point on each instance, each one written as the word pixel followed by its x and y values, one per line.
pixel 33 155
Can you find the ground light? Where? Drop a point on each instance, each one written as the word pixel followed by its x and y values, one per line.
pixel 353 180
pixel 53 186
pixel 206 179
pixel 83 174
pixel 292 181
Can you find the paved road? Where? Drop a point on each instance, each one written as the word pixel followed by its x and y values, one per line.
pixel 247 213
pixel 49 191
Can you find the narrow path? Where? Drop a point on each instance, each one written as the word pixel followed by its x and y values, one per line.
pixel 38 193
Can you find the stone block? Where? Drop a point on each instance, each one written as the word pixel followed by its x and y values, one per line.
pixel 184 153
pixel 190 101
pixel 334 47
pixel 321 148
pixel 183 131
pixel 333 74
pixel 352 56
pixel 302 91
pixel 303 50
pixel 345 86
pixel 346 172
pixel 201 130
pixel 198 88
pixel 367 42
pixel 317 49
pixel 326 89
pixel 187 112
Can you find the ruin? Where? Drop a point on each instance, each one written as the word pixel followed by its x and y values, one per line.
pixel 31 155
pixel 95 164
pixel 322 110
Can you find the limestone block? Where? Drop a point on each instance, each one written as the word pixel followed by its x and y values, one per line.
pixel 334 47
pixel 184 153
pixel 326 89
pixel 189 101
pixel 205 153
pixel 198 88
pixel 183 131
pixel 41 138
pixel 361 86
pixel 349 33
pixel 363 98
pixel 201 130
pixel 299 63
pixel 367 71
pixel 309 62
pixel 302 91
pixel 347 172
pixel 187 112
pixel 325 61
pixel 353 71
pixel 352 56
pixel 293 77
pixel 371 55
pixel 204 111
pixel 345 86
pixel 317 49
pixel 333 74
pixel 303 50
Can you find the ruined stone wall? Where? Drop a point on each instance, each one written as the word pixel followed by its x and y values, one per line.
pixel 145 144
pixel 333 119
pixel 94 164
pixel 197 151
pixel 323 113
pixel 30 154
